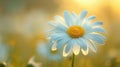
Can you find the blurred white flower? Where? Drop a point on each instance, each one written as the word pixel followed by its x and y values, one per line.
pixel 32 63
pixel 4 50
pixel 3 64
pixel 44 50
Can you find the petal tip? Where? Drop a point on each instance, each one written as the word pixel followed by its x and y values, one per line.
pixel 84 52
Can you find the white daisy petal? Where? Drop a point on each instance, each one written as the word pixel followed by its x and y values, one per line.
pixel 54 46
pixel 84 52
pixel 98 23
pixel 52 23
pixel 55 37
pixel 69 45
pixel 64 51
pixel 74 18
pixel 76 49
pixel 98 29
pixel 74 15
pixel 58 26
pixel 87 21
pixel 60 20
pixel 68 48
pixel 87 28
pixel 82 17
pixel 92 46
pixel 63 41
pixel 90 26
pixel 91 18
pixel 68 18
pixel 83 14
pixel 82 43
pixel 98 38
pixel 61 27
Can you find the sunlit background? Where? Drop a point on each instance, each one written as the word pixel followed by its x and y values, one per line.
pixel 23 23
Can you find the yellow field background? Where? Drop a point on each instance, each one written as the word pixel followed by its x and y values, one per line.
pixel 23 24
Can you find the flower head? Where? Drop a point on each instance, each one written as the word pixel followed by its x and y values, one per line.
pixel 4 50
pixel 76 33
pixel 2 64
pixel 45 50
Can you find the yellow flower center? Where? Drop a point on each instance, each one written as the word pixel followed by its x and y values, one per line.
pixel 76 31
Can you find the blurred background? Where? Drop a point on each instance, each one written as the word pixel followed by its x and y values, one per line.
pixel 23 24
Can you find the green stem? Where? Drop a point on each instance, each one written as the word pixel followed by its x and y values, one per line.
pixel 72 65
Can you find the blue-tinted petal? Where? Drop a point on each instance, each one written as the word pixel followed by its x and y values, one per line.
pixel 51 42
pixel 56 30
pixel 61 27
pixel 74 15
pixel 98 38
pixel 54 35
pixel 52 23
pixel 83 43
pixel 89 26
pixel 55 38
pixel 98 23
pixel 87 22
pixel 74 18
pixel 68 18
pixel 86 27
pixel 83 14
pixel 91 18
pixel 60 20
pixel 81 18
pixel 57 35
pixel 63 41
pixel 69 45
pixel 98 29
pixel 91 45
pixel 58 26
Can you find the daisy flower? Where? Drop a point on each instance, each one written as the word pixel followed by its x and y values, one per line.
pixel 2 64
pixel 45 51
pixel 4 50
pixel 76 33
pixel 32 63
